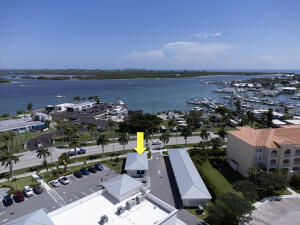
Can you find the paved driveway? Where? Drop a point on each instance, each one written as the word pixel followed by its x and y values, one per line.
pixel 284 212
pixel 163 185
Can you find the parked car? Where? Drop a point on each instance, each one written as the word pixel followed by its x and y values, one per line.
pixel 78 151
pixel 85 171
pixel 156 143
pixel 28 191
pixel 18 196
pixel 64 180
pixel 78 174
pixel 7 201
pixel 37 189
pixel 92 169
pixel 54 183
pixel 99 167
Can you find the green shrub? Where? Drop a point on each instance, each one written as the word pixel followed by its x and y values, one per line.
pixel 295 182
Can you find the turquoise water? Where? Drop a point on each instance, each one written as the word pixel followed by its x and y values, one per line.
pixel 151 95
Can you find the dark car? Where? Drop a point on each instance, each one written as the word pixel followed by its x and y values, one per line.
pixel 92 169
pixel 18 196
pixel 85 171
pixel 7 201
pixel 78 174
pixel 99 167
pixel 37 189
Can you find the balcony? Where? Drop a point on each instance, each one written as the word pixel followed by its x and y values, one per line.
pixel 274 155
pixel 286 163
pixel 297 162
pixel 297 153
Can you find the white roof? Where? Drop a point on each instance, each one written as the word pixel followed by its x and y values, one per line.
pixel 6 125
pixel 134 161
pixel 121 185
pixel 90 211
pixel 189 182
pixel 278 122
pixel 296 122
pixel 38 217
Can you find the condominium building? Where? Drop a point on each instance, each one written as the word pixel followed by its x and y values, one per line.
pixel 272 147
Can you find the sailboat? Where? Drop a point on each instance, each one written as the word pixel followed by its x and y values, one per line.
pixel 58 95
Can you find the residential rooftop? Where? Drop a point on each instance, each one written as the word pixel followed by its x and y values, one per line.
pixel 270 137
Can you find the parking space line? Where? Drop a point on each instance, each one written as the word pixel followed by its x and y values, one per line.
pixel 83 193
pixel 92 190
pixel 76 197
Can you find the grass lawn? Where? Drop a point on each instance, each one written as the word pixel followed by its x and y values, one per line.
pixel 20 183
pixel 219 183
pixel 194 211
pixel 116 166
pixel 20 138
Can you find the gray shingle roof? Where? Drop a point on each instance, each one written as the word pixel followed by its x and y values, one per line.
pixel 121 185
pixel 38 217
pixel 189 182
pixel 134 161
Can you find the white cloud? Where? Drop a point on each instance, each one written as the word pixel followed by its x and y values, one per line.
pixel 201 35
pixel 181 54
pixel 217 34
pixel 147 54
pixel 206 35
pixel 267 59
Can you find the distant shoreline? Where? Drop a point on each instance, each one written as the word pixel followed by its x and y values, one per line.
pixel 119 74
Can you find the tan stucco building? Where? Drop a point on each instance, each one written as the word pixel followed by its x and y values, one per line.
pixel 272 147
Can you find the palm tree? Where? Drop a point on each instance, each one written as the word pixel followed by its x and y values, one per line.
pixel 123 140
pixel 43 153
pixel 213 119
pixel 102 140
pixel 64 159
pixel 165 137
pixel 147 136
pixel 92 128
pixel 112 126
pixel 172 124
pixel 5 138
pixel 74 143
pixel 222 133
pixel 8 159
pixel 186 132
pixel 204 134
pixel 251 117
pixel 11 135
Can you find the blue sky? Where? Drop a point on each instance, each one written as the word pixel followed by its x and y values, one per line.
pixel 156 34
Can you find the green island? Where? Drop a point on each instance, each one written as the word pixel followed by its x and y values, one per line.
pixel 2 80
pixel 122 74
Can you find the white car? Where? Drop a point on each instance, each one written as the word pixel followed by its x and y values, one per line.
pixel 54 183
pixel 63 180
pixel 156 143
pixel 28 191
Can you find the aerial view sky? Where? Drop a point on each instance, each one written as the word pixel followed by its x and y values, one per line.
pixel 156 34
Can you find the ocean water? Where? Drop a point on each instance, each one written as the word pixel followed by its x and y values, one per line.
pixel 151 95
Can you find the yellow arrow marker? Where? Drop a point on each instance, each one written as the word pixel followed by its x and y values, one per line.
pixel 140 142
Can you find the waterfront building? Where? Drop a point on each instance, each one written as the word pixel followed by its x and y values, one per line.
pixel 74 107
pixel 273 148
pixel 19 125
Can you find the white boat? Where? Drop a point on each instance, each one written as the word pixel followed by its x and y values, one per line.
pixel 58 95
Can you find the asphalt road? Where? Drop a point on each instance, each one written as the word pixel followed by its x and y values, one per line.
pixel 28 159
pixel 163 185
pixel 76 189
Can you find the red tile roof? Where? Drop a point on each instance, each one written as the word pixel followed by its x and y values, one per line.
pixel 271 137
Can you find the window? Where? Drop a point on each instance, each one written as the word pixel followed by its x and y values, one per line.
pixel 258 150
pixel 257 159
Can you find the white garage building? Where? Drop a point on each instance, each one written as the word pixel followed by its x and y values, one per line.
pixel 191 187
pixel 136 165
pixel 122 187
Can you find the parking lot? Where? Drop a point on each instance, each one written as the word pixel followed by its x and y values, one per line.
pixel 286 211
pixel 57 197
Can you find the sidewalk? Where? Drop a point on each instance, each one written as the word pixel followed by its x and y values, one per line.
pixel 60 166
